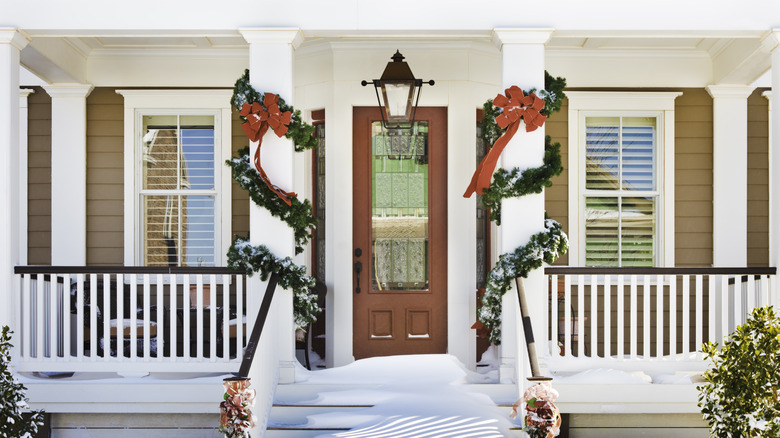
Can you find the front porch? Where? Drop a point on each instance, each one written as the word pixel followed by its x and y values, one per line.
pixel 604 331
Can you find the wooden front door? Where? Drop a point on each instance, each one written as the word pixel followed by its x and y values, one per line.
pixel 400 235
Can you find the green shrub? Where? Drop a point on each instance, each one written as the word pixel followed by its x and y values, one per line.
pixel 14 421
pixel 740 398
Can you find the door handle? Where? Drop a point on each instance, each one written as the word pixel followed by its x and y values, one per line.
pixel 358 269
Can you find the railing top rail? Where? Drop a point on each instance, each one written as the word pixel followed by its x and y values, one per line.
pixel 570 270
pixel 123 270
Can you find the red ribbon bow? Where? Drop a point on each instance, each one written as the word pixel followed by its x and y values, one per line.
pixel 258 119
pixel 516 105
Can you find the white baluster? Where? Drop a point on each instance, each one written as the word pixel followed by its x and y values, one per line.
pixel 594 313
pixel 621 318
pixel 646 316
pixel 659 316
pixel 553 294
pixel 160 317
pixel 66 317
pixel 567 351
pixel 120 317
pixel 133 317
pixel 607 316
pixel 580 316
pixel 634 323
pixel 213 318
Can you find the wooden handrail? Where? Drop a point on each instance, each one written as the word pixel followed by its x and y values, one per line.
pixel 571 270
pixel 215 270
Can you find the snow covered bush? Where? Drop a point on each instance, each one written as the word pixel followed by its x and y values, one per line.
pixel 14 423
pixel 740 398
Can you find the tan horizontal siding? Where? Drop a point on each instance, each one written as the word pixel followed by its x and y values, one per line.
pixel 693 178
pixel 556 198
pixel 105 177
pixel 239 196
pixel 39 178
pixel 758 180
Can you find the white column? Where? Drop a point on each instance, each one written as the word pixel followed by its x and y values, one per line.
pixel 11 43
pixel 23 93
pixel 271 71
pixel 68 173
pixel 522 60
pixel 774 165
pixel 729 168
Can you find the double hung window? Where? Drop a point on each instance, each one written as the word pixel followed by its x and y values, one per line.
pixel 621 179
pixel 177 194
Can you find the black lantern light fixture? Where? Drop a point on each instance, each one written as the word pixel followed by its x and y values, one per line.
pixel 400 93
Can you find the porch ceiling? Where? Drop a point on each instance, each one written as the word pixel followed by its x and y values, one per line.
pixel 733 57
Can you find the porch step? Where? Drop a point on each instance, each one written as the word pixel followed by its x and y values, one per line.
pixel 308 410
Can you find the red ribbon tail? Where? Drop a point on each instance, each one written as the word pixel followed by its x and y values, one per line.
pixel 481 178
pixel 285 196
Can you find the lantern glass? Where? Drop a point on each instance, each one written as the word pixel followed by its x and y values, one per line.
pixel 398 100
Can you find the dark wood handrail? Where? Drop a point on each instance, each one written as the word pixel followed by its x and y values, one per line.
pixel 214 270
pixel 571 270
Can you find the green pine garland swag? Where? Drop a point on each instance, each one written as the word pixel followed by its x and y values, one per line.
pixel 251 259
pixel 298 216
pixel 545 246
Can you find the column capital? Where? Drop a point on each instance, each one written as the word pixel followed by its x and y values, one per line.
pixel 14 37
pixel 273 35
pixel 517 35
pixel 730 91
pixel 68 90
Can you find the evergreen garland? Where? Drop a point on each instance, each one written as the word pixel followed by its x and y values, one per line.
pixel 14 422
pixel 516 183
pixel 298 215
pixel 543 247
pixel 250 259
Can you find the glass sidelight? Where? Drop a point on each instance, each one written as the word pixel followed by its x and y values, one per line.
pixel 399 201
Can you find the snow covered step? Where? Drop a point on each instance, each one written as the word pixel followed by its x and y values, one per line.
pixel 298 433
pixel 330 394
pixel 301 416
pixel 501 394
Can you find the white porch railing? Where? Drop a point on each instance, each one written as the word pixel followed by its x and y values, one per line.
pixel 130 320
pixel 632 314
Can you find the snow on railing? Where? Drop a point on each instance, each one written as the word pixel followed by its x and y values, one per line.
pixel 130 320
pixel 649 313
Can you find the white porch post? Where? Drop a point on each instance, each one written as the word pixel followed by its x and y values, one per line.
pixel 774 165
pixel 11 43
pixel 68 173
pixel 23 109
pixel 729 174
pixel 271 70
pixel 729 168
pixel 522 58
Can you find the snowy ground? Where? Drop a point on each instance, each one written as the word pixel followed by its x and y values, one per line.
pixel 412 396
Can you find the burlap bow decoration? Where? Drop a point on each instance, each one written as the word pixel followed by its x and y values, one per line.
pixel 258 119
pixel 516 105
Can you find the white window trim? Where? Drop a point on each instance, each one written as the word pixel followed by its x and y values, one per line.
pixel 139 102
pixel 659 104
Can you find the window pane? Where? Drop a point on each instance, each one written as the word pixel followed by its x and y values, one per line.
pixel 160 145
pixel 400 209
pixel 602 153
pixel 197 155
pixel 638 153
pixel 198 229
pixel 161 230
pixel 601 231
pixel 637 232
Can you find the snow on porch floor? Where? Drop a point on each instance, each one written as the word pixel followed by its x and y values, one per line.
pixel 394 396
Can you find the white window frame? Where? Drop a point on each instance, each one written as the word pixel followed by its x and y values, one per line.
pixel 623 104
pixel 187 102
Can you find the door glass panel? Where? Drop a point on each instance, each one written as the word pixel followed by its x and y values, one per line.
pixel 399 201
